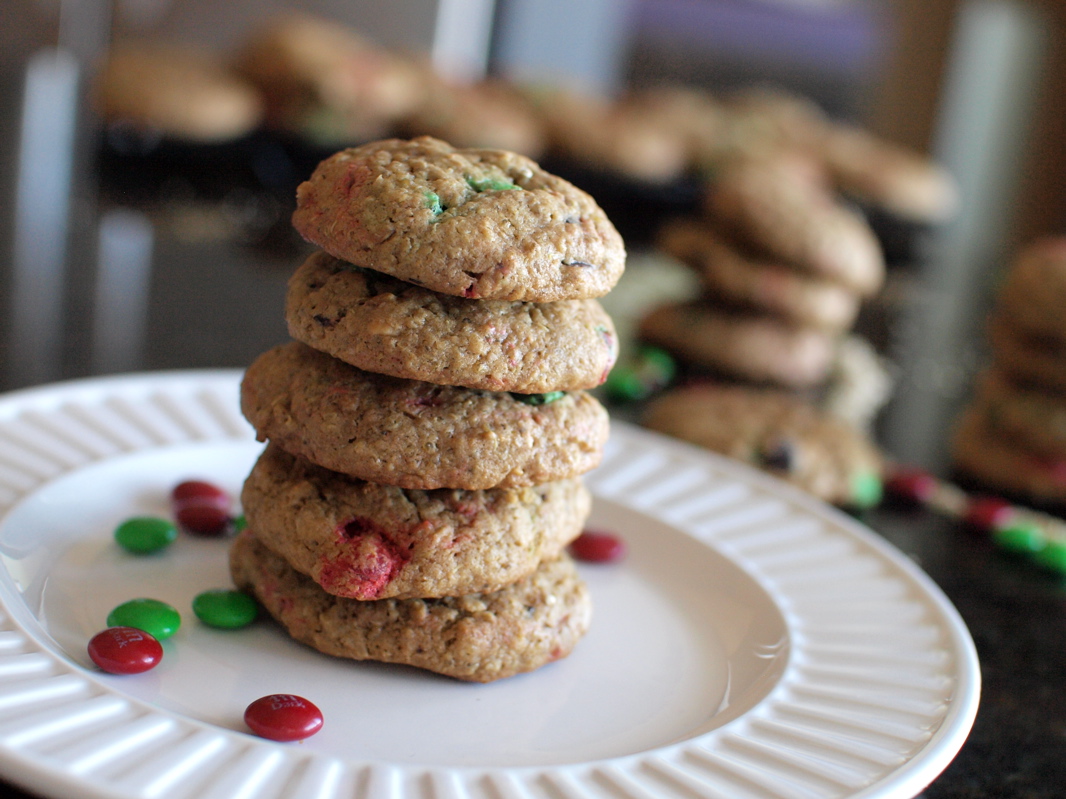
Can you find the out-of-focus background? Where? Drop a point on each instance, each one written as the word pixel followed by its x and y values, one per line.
pixel 124 248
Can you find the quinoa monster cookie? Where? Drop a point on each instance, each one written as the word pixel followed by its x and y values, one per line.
pixel 414 434
pixel 785 210
pixel 474 637
pixel 476 223
pixel 1033 293
pixel 752 347
pixel 748 279
pixel 1031 416
pixel 385 325
pixel 370 541
pixel 778 433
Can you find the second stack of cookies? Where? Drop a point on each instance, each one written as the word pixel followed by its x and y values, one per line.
pixel 785 268
pixel 429 424
pixel 1011 436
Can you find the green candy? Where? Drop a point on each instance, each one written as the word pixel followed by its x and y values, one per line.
pixel 1052 556
pixel 154 617
pixel 625 385
pixel 143 535
pixel 648 371
pixel 1020 537
pixel 224 608
pixel 433 203
pixel 867 490
pixel 539 399
pixel 240 523
pixel 490 184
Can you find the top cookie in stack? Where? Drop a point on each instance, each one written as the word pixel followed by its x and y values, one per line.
pixel 429 425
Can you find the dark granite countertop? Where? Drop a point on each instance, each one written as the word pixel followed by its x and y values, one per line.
pixel 1016 614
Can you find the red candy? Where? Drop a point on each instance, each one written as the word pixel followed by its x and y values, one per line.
pixel 988 513
pixel 913 485
pixel 283 717
pixel 125 650
pixel 598 547
pixel 203 519
pixel 201 507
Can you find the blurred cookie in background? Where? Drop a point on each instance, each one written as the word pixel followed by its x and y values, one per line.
pixel 778 433
pixel 488 113
pixel 740 345
pixel 748 279
pixel 592 131
pixel 326 83
pixel 158 90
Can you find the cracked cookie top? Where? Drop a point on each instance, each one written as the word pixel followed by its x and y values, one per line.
pixel 475 223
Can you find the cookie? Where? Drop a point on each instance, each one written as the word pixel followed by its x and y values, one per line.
pixel 779 207
pixel 325 82
pixel 1033 292
pixel 741 278
pixel 178 92
pixel 414 434
pixel 593 132
pixel 1028 358
pixel 776 432
pixel 756 348
pixel 385 325
pixel 693 116
pixel 1000 463
pixel 476 637
pixel 369 541
pixel 890 177
pixel 487 113
pixel 1032 417
pixel 762 121
pixel 483 224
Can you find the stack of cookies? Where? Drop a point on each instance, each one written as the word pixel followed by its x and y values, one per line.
pixel 784 267
pixel 1012 436
pixel 428 427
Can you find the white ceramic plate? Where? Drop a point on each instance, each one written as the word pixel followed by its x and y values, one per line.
pixel 754 644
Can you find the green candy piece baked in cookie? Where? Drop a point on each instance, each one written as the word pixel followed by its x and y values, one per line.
pixel 416 434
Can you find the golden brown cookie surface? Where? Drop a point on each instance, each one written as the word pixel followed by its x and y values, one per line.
pixel 384 325
pixel 776 432
pixel 369 541
pixel 414 434
pixel 756 348
pixel 748 280
pixel 482 224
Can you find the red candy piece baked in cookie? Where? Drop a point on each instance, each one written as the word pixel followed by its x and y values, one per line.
pixel 476 223
pixel 370 541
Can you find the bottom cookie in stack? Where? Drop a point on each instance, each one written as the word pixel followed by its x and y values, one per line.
pixel 475 637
